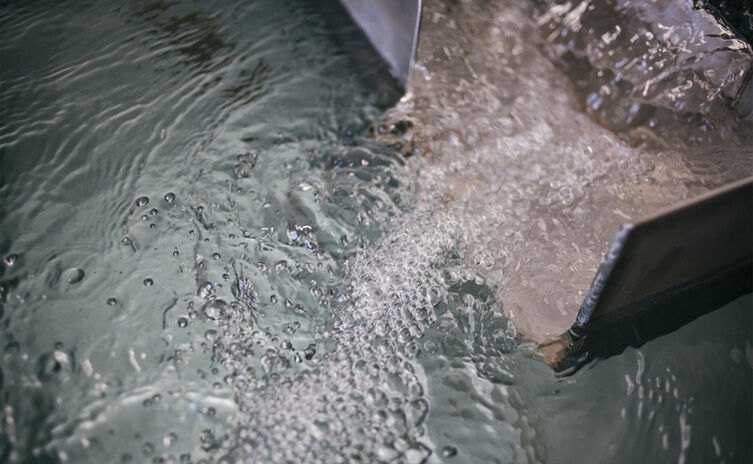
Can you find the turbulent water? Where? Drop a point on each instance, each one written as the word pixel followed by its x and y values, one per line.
pixel 208 258
pixel 541 184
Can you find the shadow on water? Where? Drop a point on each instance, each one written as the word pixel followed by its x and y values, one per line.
pixel 660 318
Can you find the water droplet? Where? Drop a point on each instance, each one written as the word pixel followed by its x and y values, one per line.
pixel 148 282
pixel 169 197
pixel 449 451
pixel 142 201
pixel 11 259
pixel 182 322
pixel 112 301
pixel 73 275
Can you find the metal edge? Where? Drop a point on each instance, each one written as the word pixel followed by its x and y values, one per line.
pixel 414 45
pixel 602 274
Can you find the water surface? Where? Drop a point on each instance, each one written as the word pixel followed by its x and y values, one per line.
pixel 207 258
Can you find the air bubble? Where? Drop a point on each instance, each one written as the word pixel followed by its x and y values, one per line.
pixel 412 349
pixel 73 275
pixel 112 301
pixel 216 256
pixel 11 348
pixel 449 451
pixel 11 259
pixel 147 449
pixel 206 290
pixel 422 313
pixel 309 352
pixel 169 197
pixel 182 322
pixel 142 201
pixel 214 308
pixel 169 439
pixel 148 282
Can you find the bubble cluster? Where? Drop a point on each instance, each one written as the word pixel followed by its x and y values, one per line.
pixel 356 392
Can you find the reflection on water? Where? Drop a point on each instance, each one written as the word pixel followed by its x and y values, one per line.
pixel 206 258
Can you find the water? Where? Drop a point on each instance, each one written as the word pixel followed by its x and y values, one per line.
pixel 208 258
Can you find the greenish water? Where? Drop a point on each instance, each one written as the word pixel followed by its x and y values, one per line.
pixel 207 259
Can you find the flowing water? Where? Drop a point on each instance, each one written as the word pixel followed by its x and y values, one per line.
pixel 208 258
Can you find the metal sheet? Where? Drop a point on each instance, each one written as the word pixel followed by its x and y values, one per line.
pixel 670 261
pixel 672 250
pixel 392 27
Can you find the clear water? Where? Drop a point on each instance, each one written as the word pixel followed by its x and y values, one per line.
pixel 208 259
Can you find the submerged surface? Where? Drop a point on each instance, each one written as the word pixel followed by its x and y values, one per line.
pixel 206 257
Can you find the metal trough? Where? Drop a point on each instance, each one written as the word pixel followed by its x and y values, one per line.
pixel 698 253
